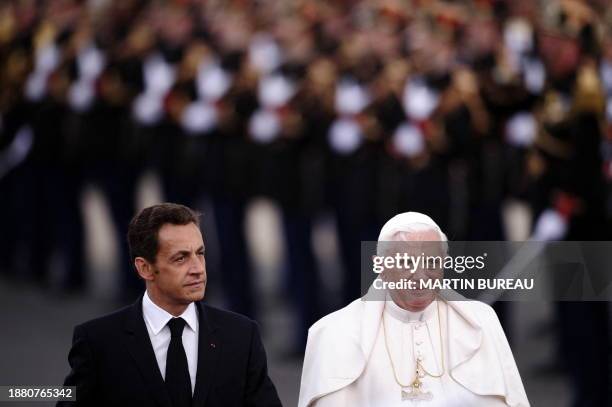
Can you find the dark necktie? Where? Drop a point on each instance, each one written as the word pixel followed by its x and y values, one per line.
pixel 178 382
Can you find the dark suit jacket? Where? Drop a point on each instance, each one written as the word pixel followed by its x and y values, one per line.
pixel 113 363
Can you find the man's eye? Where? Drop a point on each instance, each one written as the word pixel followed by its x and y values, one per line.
pixel 180 259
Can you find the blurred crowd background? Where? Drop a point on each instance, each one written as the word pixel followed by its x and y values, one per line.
pixel 483 114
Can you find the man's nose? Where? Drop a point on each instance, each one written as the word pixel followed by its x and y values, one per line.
pixel 420 274
pixel 197 266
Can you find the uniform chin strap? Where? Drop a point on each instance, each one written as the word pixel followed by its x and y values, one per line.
pixel 521 129
pixel 408 140
pixel 419 100
pixel 345 135
pixel 90 62
pixel 159 77
pixel 264 53
pixel 212 82
pixel 47 59
pixel 274 93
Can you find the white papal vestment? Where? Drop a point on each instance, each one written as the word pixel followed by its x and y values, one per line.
pixel 347 364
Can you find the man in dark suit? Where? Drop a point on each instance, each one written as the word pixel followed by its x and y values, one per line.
pixel 169 349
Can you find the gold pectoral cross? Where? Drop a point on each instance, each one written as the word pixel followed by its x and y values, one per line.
pixel 415 392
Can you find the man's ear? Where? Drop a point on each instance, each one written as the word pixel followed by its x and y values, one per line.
pixel 145 270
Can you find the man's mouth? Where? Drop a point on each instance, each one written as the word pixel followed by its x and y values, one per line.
pixel 419 292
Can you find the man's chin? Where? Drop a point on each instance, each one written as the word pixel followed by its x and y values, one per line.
pixel 195 293
pixel 418 301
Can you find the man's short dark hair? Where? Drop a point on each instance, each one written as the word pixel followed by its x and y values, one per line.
pixel 143 231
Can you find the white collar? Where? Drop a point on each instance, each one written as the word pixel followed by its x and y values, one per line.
pixel 157 317
pixel 403 315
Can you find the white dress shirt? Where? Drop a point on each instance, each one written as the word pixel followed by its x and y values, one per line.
pixel 409 335
pixel 156 320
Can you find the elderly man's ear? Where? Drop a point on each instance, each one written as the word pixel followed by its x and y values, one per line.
pixel 145 270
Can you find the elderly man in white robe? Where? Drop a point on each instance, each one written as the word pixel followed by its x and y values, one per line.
pixel 414 348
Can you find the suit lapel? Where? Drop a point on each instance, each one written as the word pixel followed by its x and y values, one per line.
pixel 208 353
pixel 141 350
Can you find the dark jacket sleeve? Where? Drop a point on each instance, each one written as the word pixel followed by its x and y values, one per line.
pixel 83 373
pixel 260 391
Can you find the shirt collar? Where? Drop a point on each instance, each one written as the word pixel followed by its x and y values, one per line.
pixel 157 317
pixel 404 315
